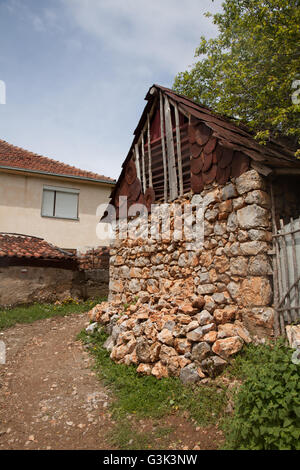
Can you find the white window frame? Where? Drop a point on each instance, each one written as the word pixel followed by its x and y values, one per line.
pixel 56 190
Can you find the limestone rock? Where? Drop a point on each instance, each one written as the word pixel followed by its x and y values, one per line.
pixel 166 352
pixel 92 328
pixel 119 352
pixel 233 329
pixel 258 197
pixel 160 371
pixel 228 192
pixel 225 315
pixel 206 289
pixel 198 302
pixel 195 335
pixel 293 335
pixel 253 248
pixel 239 266
pixel 204 317
pixel 207 328
pixel 144 369
pixel 228 346
pixel 109 344
pixel 256 291
pixel 213 365
pixel 143 350
pixel 166 337
pixel 189 375
pixel 200 351
pixel 252 216
pixel 182 345
pixel 260 266
pixel 210 337
pixel 249 181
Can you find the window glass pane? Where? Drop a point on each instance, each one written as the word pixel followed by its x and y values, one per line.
pixel 48 203
pixel 66 205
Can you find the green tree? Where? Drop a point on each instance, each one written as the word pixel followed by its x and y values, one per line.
pixel 248 71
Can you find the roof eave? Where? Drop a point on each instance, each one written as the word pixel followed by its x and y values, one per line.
pixel 57 175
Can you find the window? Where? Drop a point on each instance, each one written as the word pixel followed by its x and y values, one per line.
pixel 60 202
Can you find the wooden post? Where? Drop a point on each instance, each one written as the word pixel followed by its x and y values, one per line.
pixel 286 268
pixel 143 165
pixel 276 268
pixel 171 152
pixel 137 161
pixel 295 266
pixel 149 152
pixel 179 155
pixel 163 145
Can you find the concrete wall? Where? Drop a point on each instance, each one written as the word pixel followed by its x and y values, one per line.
pixel 20 210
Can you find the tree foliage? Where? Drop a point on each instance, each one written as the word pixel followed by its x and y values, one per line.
pixel 248 71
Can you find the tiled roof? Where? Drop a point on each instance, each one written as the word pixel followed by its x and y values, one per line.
pixel 16 157
pixel 25 246
pixel 275 154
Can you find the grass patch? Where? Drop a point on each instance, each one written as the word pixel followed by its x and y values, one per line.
pixel 145 396
pixel 126 437
pixel 36 311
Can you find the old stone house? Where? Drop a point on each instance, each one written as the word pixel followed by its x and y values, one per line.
pixel 177 308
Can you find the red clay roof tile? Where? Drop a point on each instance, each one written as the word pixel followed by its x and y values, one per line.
pixel 16 157
pixel 25 246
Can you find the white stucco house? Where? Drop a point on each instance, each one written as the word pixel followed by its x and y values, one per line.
pixel 45 198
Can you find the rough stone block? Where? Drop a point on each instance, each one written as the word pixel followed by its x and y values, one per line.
pixel 253 216
pixel 256 291
pixel 249 181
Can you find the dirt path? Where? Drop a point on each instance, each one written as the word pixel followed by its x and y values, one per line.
pixel 49 397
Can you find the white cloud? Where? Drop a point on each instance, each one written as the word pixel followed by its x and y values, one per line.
pixel 165 32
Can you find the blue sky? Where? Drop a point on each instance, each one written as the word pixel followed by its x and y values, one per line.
pixel 77 71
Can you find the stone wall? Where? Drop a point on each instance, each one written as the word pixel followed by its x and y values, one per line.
pixel 178 310
pixel 93 258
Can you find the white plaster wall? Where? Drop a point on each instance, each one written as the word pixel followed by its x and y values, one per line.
pixel 20 210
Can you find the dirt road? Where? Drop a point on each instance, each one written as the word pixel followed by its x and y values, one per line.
pixel 49 397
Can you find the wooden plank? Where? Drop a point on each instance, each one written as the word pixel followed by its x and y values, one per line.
pixel 260 168
pixel 226 157
pixel 277 324
pixel 137 161
pixel 171 152
pixel 210 175
pixel 163 148
pixel 130 172
pixel 211 145
pixel 197 183
pixel 196 165
pixel 286 268
pixel 179 155
pixel 207 161
pixel 202 134
pixel 143 165
pixel 223 174
pixel 149 151
pixel 195 150
pixel 295 266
